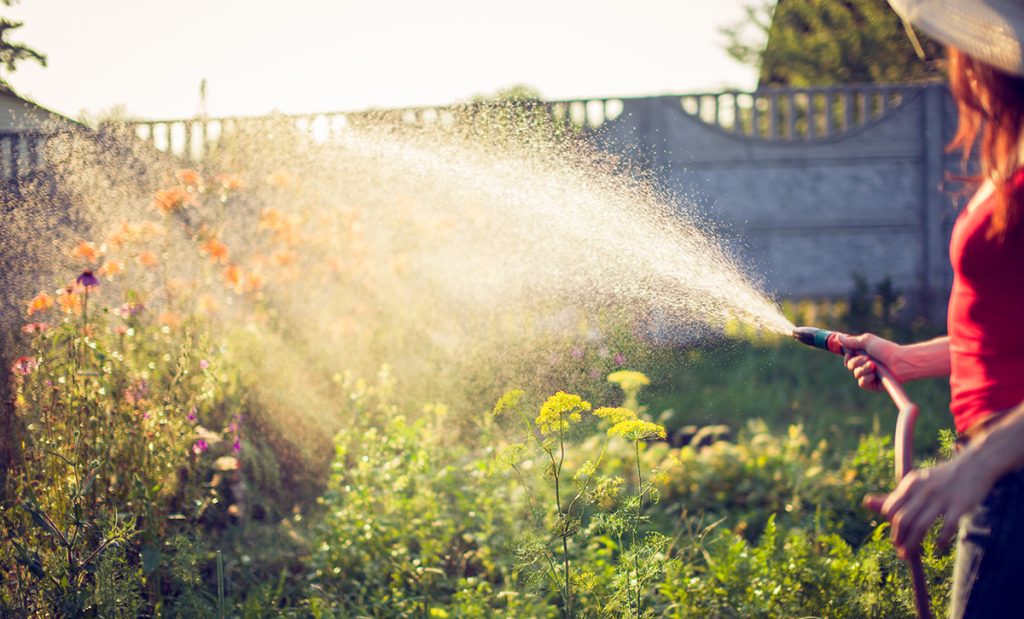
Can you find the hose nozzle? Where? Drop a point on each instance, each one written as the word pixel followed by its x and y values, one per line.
pixel 819 338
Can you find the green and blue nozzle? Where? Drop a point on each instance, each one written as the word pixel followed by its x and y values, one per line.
pixel 819 338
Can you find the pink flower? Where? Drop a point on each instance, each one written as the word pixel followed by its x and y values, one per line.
pixel 35 327
pixel 191 414
pixel 129 310
pixel 203 364
pixel 136 392
pixel 620 359
pixel 236 446
pixel 199 446
pixel 23 366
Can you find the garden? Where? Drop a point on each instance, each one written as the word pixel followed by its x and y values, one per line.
pixel 241 390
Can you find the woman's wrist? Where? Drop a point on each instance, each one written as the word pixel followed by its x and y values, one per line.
pixel 997 451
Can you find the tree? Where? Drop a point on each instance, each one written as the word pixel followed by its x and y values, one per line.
pixel 825 42
pixel 12 53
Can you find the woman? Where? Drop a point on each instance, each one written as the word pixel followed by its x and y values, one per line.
pixel 982 488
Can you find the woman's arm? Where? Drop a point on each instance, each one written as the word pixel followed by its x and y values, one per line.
pixel 910 362
pixel 953 488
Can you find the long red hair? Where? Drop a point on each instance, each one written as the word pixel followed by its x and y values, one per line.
pixel 990 102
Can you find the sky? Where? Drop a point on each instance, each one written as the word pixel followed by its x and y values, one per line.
pixel 148 57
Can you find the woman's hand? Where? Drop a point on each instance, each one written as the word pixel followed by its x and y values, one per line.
pixel 887 353
pixel 947 491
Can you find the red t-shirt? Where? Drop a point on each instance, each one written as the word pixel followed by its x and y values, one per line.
pixel 986 316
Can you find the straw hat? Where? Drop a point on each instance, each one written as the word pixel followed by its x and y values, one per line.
pixel 988 30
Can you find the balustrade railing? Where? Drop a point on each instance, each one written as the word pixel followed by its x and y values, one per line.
pixel 797 114
pixel 775 114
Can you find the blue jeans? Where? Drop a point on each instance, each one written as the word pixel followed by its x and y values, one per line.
pixel 988 579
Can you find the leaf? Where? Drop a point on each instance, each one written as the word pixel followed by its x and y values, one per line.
pixel 33 562
pixel 42 521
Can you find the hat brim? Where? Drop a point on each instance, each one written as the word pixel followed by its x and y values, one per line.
pixel 990 31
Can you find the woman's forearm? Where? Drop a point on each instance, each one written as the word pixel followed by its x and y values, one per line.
pixel 923 360
pixel 998 451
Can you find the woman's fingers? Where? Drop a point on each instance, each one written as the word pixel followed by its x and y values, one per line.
pixel 948 531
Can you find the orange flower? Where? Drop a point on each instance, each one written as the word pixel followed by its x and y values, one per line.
pixel 270 219
pixel 190 177
pixel 110 268
pixel 169 319
pixel 123 235
pixel 282 179
pixel 40 303
pixel 253 282
pixel 284 257
pixel 217 251
pixel 229 181
pixel 86 251
pixel 151 228
pixel 69 301
pixel 207 304
pixel 169 200
pixel 234 278
pixel 148 259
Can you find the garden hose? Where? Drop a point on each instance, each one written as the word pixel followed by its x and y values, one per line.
pixel 907 415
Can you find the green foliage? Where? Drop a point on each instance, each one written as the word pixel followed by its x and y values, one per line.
pixel 825 42
pixel 12 53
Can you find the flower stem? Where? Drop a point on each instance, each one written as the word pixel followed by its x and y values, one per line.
pixel 636 524
pixel 563 523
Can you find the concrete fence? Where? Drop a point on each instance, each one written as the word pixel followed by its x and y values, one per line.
pixel 811 187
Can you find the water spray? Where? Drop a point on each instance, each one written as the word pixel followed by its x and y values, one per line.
pixel 907 415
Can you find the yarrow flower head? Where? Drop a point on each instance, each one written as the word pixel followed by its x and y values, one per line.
pixel 629 380
pixel 615 415
pixel 561 410
pixel 507 402
pixel 637 430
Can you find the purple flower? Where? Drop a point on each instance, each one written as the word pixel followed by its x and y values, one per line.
pixel 620 359
pixel 236 446
pixel 577 353
pixel 87 280
pixel 199 446
pixel 191 414
pixel 203 364
pixel 129 310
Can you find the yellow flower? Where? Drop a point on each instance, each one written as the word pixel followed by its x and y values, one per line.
pixel 615 415
pixel 629 380
pixel 559 411
pixel 637 430
pixel 508 401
